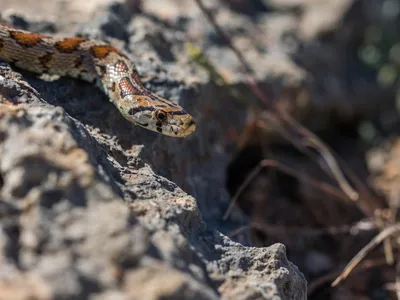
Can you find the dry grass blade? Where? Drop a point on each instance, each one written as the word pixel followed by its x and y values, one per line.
pixel 308 139
pixel 276 230
pixel 314 285
pixel 226 38
pixel 285 169
pixel 398 280
pixel 334 168
pixel 364 251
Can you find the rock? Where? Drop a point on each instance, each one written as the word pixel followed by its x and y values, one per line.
pixel 86 211
pixel 259 273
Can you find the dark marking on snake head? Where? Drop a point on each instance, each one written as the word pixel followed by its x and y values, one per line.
pixel 178 113
pixel 137 109
pixel 158 124
pixel 153 97
pixel 113 86
pixel 134 110
pixel 159 129
pixel 162 100
pixel 69 45
pixel 25 39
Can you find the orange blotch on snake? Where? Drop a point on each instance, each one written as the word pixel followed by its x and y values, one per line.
pixel 26 39
pixel 69 45
pixel 103 50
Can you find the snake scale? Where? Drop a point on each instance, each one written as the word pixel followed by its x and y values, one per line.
pixel 100 63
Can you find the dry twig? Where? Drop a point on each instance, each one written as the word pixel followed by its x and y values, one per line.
pixel 276 230
pixel 364 251
pixel 369 264
pixel 327 188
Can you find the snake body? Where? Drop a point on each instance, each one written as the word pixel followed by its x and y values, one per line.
pixel 99 62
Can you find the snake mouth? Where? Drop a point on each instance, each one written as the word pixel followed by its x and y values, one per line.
pixel 142 124
pixel 191 127
pixel 185 128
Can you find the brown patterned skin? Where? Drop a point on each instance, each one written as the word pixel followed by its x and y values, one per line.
pixel 96 61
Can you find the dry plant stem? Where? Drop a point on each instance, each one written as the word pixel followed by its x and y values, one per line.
pixel 364 251
pixel 299 176
pixel 394 287
pixel 226 38
pixel 242 187
pixel 333 167
pixel 286 134
pixel 393 208
pixel 307 135
pixel 311 140
pixel 368 203
pixel 315 143
pixel 398 279
pixel 388 249
pixel 387 245
pixel 369 264
pixel 275 230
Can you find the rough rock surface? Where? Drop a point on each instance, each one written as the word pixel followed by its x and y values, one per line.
pixel 85 212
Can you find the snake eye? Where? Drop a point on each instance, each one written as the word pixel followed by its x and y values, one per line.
pixel 161 115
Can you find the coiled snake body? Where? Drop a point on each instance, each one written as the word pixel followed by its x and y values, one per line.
pixel 96 61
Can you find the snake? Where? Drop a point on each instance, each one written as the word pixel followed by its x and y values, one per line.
pixel 100 63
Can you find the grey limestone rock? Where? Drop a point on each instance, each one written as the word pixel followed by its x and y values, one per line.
pixel 93 207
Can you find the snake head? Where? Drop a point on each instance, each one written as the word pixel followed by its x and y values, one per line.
pixel 172 121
